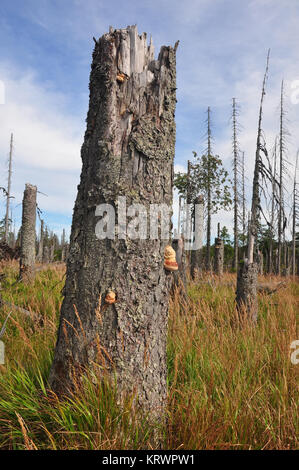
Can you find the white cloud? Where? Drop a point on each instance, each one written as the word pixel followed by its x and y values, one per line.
pixel 47 140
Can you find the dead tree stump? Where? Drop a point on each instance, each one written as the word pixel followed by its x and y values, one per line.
pixel 246 295
pixel 128 151
pixel 219 256
pixel 27 258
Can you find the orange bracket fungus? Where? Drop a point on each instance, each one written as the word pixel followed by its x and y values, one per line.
pixel 110 297
pixel 170 263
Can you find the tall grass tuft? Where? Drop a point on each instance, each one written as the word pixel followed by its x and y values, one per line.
pixel 230 386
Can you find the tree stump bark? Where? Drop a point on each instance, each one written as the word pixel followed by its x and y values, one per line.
pixel 27 258
pixel 128 151
pixel 219 256
pixel 246 295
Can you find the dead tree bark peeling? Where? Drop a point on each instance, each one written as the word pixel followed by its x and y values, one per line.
pixel 246 293
pixel 128 151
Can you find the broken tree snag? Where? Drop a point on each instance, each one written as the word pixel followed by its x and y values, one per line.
pixel 219 256
pixel 247 286
pixel 27 258
pixel 246 295
pixel 128 151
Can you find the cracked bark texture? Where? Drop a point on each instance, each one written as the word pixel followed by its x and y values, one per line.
pixel 27 257
pixel 128 150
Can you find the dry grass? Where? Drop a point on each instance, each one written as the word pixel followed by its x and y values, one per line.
pixel 229 387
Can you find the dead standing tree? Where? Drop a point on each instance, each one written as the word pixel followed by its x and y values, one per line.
pixel 128 151
pixel 8 196
pixel 246 294
pixel 236 171
pixel 27 258
pixel 282 220
pixel 219 255
pixel 295 216
pixel 271 263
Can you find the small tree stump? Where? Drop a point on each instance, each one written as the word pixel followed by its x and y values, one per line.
pixel 219 256
pixel 128 151
pixel 246 295
pixel 27 258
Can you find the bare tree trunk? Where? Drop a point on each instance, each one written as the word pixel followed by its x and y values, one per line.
pixel 246 297
pixel 128 151
pixel 27 258
pixel 188 211
pixel 41 243
pixel 273 184
pixel 281 225
pixel 6 233
pixel 209 203
pixel 243 202
pixel 235 185
pixel 294 218
pixel 196 254
pixel 219 256
pixel 179 216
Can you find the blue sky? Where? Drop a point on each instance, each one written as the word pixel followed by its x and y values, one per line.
pixel 45 55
